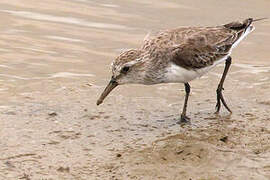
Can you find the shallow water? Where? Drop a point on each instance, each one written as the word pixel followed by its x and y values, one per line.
pixel 55 57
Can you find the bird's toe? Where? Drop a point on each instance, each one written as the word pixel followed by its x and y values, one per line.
pixel 184 120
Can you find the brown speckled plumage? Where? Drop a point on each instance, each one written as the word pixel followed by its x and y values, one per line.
pixel 195 47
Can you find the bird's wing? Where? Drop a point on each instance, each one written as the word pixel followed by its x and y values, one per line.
pixel 196 47
pixel 208 45
pixel 195 56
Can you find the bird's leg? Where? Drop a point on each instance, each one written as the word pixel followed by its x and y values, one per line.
pixel 220 86
pixel 184 118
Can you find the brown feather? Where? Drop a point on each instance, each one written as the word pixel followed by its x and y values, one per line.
pixel 195 47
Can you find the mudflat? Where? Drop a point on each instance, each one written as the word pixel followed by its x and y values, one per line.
pixel 55 57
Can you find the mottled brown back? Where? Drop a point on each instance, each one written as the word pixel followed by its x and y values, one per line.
pixel 195 47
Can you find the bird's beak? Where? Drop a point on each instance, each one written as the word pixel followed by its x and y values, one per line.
pixel 112 84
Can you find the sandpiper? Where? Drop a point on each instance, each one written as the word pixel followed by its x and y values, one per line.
pixel 178 56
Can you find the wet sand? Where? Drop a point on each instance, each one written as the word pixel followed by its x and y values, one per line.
pixel 55 58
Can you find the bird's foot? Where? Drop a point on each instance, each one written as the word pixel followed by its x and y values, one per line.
pixel 220 98
pixel 184 120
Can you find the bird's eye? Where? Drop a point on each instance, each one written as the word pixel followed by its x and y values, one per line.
pixel 125 69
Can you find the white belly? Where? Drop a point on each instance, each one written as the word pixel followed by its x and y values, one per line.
pixel 177 74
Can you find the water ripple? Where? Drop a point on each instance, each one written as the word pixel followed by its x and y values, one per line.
pixel 69 74
pixel 61 19
pixel 64 38
pixel 254 69
pixel 55 75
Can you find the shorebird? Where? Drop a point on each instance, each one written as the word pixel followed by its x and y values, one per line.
pixel 178 56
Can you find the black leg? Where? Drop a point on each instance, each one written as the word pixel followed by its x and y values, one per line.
pixel 220 87
pixel 184 118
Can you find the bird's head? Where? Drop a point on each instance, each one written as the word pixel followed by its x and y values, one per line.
pixel 126 69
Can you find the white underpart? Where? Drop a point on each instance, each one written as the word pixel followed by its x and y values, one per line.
pixel 177 74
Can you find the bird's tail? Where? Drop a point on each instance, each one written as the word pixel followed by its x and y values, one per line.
pixel 249 21
pixel 242 29
pixel 242 26
pixel 254 20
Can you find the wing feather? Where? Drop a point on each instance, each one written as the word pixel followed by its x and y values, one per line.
pixel 195 56
pixel 196 47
